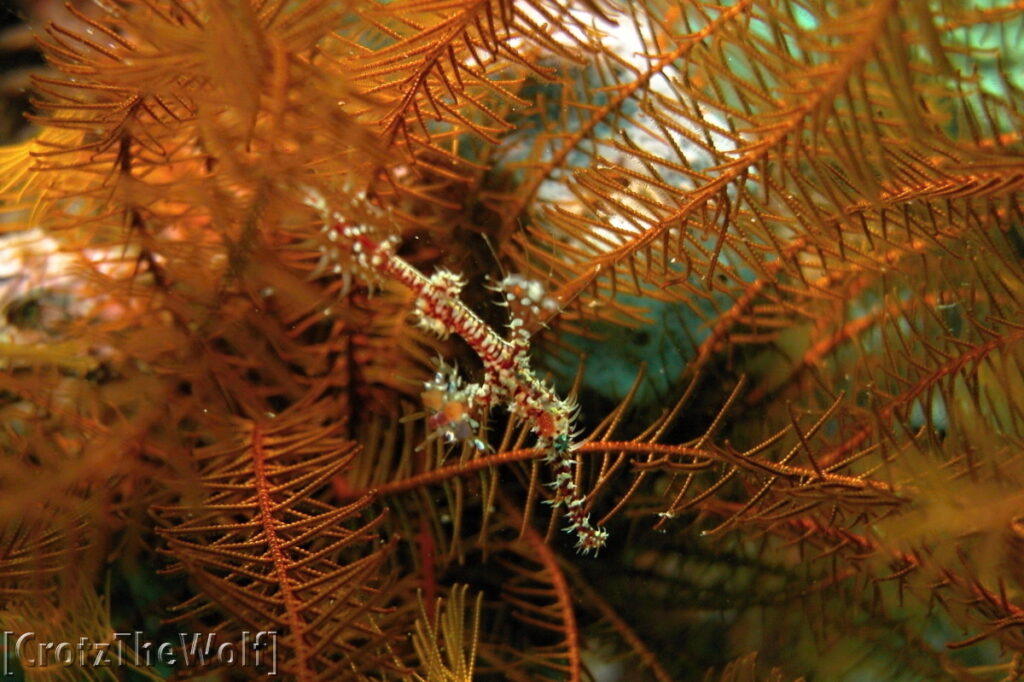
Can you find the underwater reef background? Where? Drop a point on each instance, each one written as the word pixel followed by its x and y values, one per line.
pixel 515 339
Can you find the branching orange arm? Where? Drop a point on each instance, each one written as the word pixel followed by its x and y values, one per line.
pixel 269 524
pixel 460 469
pixel 793 120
